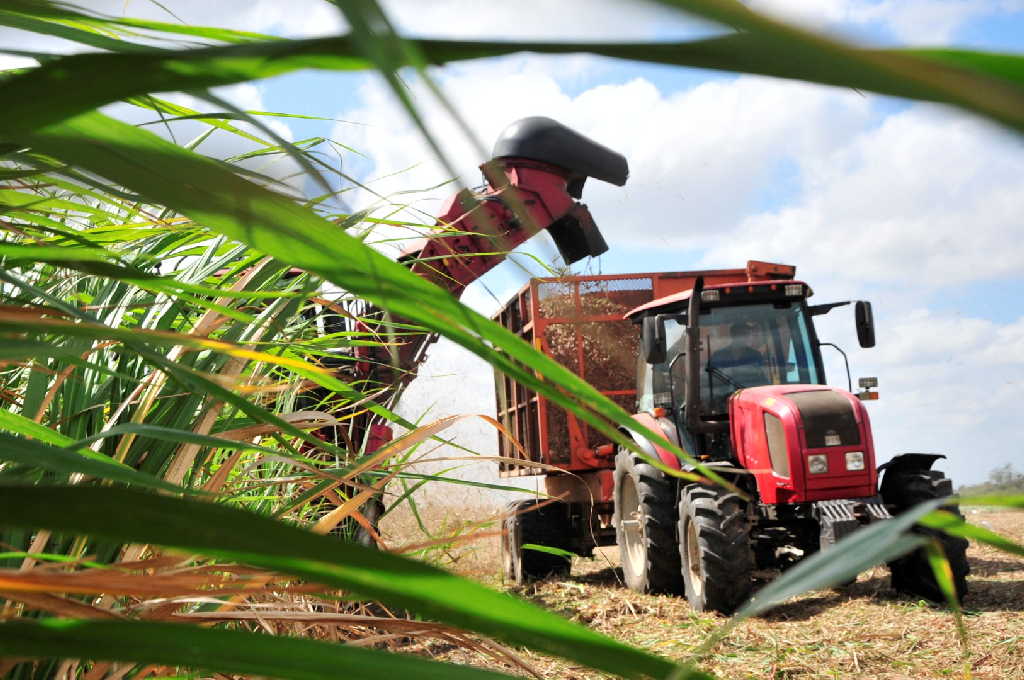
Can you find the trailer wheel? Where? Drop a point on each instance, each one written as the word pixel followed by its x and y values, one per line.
pixel 645 518
pixel 912 573
pixel 372 511
pixel 714 546
pixel 546 526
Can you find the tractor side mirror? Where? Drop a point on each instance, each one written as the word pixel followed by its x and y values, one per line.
pixel 652 339
pixel 865 323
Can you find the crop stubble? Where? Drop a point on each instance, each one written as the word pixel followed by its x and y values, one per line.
pixel 864 631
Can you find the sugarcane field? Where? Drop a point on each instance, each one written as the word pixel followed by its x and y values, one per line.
pixel 668 339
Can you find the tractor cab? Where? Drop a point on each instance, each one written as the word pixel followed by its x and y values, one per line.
pixel 745 345
pixel 738 368
pixel 703 345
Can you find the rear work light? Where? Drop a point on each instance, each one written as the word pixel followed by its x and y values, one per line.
pixel 794 289
pixel 817 464
pixel 854 460
pixel 710 296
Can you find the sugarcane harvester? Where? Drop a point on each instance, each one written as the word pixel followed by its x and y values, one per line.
pixel 726 365
pixel 537 173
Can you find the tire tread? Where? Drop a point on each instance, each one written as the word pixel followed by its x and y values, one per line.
pixel 656 493
pixel 913 573
pixel 723 534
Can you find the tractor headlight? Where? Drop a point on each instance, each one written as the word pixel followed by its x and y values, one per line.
pixel 817 464
pixel 854 460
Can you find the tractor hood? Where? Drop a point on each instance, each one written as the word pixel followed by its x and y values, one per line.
pixel 804 442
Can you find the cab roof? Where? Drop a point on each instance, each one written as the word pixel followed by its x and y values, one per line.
pixel 684 296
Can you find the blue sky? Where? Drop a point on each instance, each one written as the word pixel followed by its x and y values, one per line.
pixel 913 206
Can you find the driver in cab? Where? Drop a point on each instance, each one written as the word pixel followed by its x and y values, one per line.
pixel 738 363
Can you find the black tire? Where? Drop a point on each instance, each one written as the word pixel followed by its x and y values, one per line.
pixel 912 573
pixel 645 519
pixel 372 510
pixel 546 526
pixel 349 529
pixel 714 548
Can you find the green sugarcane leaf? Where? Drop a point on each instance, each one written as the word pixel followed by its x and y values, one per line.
pixel 1001 500
pixel 223 651
pixel 129 516
pixel 84 36
pixel 871 545
pixel 943 571
pixel 19 424
pixel 63 461
pixel 558 552
pixel 173 435
pixel 957 526
pixel 986 83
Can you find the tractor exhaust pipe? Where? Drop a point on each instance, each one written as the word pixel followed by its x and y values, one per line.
pixel 694 405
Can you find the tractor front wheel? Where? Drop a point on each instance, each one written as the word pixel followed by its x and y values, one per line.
pixel 525 524
pixel 645 518
pixel 714 546
pixel 912 573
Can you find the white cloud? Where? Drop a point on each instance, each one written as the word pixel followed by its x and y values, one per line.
pixel 913 21
pixel 814 15
pixel 926 199
pixel 948 384
pixel 906 21
pixel 536 19
pixel 221 144
pixel 698 159
pixel 923 21
pixel 294 18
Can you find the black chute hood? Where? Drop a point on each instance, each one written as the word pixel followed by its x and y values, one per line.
pixel 543 139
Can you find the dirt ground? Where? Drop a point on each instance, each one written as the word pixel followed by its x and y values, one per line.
pixel 864 631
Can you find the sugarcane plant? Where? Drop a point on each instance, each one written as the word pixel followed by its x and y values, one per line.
pixel 173 437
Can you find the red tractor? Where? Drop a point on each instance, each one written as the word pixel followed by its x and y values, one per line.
pixel 727 365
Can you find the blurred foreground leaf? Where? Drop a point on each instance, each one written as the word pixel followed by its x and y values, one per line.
pixel 219 531
pixel 223 651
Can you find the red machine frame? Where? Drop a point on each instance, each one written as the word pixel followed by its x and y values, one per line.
pixel 528 417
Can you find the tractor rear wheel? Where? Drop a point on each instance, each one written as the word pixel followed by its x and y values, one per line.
pixel 912 573
pixel 545 526
pixel 645 518
pixel 714 546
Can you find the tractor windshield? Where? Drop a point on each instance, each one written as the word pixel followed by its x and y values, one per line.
pixel 745 346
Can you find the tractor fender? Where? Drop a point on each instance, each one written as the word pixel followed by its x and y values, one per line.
pixel 911 461
pixel 662 425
